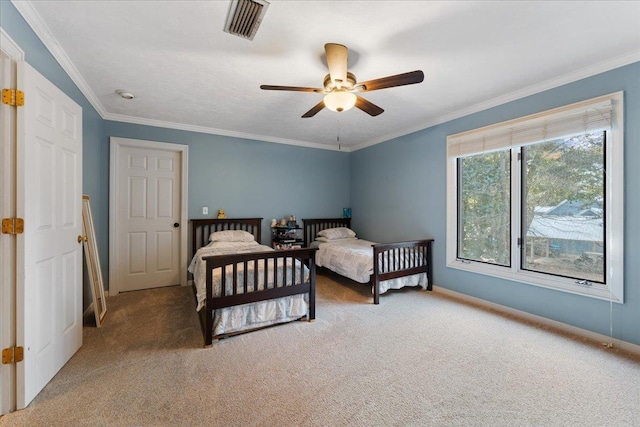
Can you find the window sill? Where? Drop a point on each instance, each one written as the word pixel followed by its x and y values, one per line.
pixel 562 284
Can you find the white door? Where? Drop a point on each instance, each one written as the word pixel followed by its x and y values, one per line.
pixel 49 254
pixel 148 217
pixel 7 241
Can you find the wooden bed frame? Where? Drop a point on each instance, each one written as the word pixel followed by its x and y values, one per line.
pixel 202 228
pixel 385 266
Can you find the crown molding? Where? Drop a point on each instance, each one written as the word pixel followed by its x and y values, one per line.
pixel 589 71
pixel 31 16
pixel 28 12
pixel 26 9
pixel 10 47
pixel 214 131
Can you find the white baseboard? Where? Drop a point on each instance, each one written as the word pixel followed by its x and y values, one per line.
pixel 604 339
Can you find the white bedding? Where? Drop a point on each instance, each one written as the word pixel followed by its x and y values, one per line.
pixel 353 258
pixel 253 315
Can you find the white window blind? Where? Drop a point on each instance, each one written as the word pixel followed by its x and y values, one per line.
pixel 582 117
pixel 602 113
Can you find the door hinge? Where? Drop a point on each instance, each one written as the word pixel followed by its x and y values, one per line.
pixel 13 97
pixel 12 225
pixel 11 355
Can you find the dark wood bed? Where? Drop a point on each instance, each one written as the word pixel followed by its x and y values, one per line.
pixel 390 260
pixel 239 290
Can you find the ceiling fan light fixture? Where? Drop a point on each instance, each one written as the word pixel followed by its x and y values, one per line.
pixel 340 85
pixel 339 101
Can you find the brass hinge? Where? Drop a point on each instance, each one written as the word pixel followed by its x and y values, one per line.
pixel 13 97
pixel 12 225
pixel 12 355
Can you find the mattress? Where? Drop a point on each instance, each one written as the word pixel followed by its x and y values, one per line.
pixel 254 315
pixel 353 258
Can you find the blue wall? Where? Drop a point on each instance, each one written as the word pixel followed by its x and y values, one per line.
pixel 396 189
pixel 399 192
pixel 94 166
pixel 250 178
pixel 246 178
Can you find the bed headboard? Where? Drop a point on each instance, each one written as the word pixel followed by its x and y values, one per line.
pixel 312 226
pixel 202 229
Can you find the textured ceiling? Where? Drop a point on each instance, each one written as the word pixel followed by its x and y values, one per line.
pixel 187 73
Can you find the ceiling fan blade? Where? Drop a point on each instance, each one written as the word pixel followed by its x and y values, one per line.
pixel 368 107
pixel 315 110
pixel 403 79
pixel 292 88
pixel 337 62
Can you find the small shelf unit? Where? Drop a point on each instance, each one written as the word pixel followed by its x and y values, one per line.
pixel 286 237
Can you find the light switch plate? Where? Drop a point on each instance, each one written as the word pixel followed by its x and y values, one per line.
pixel 205 210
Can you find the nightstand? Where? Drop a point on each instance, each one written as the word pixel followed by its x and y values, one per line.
pixel 285 237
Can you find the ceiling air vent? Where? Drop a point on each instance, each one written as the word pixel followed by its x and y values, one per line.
pixel 245 17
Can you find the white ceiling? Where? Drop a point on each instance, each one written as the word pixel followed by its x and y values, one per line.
pixel 187 73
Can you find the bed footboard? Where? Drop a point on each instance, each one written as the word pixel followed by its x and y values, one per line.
pixel 390 260
pixel 393 260
pixel 285 279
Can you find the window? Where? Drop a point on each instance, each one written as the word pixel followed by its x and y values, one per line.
pixel 539 199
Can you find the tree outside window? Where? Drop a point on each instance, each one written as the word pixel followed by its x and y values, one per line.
pixel 539 199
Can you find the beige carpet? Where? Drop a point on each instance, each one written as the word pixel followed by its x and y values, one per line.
pixel 417 359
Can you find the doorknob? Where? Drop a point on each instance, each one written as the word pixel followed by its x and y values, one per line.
pixel 82 239
pixel 176 225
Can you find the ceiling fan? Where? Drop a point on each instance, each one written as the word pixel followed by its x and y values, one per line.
pixel 341 87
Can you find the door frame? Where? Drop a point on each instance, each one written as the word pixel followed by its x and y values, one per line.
pixel 116 145
pixel 8 49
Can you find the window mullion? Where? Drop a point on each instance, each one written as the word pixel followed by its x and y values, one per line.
pixel 537 234
pixel 516 215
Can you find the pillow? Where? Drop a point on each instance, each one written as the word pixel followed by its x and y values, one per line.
pixel 337 233
pixel 232 245
pixel 324 239
pixel 231 236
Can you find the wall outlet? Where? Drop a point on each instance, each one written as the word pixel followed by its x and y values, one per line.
pixel 205 210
